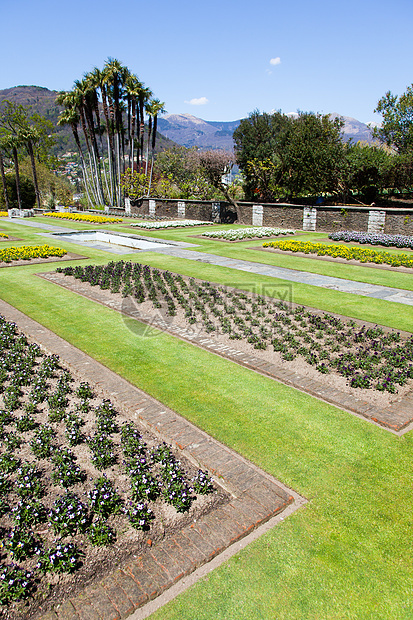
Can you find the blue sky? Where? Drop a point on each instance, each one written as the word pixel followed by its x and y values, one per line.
pixel 213 59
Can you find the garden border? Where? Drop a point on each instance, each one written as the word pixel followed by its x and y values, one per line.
pixel 396 418
pixel 256 496
pixel 41 261
pixel 330 259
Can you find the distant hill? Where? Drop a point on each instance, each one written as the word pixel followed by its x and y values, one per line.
pixel 189 131
pixel 43 101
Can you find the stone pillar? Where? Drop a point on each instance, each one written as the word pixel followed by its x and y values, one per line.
pixel 152 207
pixel 127 206
pixel 377 220
pixel 181 209
pixel 257 215
pixel 309 218
pixel 216 212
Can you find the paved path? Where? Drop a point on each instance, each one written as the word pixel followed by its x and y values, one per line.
pixel 291 275
pixel 386 293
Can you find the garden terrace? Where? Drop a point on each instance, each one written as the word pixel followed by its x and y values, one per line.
pixel 324 561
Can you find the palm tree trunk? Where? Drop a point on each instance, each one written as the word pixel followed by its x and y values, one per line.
pixel 110 171
pixel 17 173
pixel 147 144
pixel 3 179
pixel 33 163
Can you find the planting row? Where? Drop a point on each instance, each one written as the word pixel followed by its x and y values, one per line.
pixel 4 214
pixel 72 475
pixel 4 236
pixel 82 217
pixel 237 234
pixel 364 255
pixel 398 241
pixel 170 224
pixel 27 252
pixel 367 357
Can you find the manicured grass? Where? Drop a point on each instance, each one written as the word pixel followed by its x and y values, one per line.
pixel 243 251
pixel 347 553
pixel 322 562
pixel 390 314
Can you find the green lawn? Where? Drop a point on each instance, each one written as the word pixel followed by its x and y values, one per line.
pixel 347 553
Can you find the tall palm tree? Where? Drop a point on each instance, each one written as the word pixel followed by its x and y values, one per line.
pixel 113 76
pixel 122 95
pixel 153 108
pixel 70 116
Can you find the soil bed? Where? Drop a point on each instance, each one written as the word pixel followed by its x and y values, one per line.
pixel 95 562
pixel 40 261
pixel 335 260
pixel 211 326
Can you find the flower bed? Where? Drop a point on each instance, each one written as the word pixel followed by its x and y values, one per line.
pixel 4 214
pixel 170 224
pixel 4 236
pixel 75 475
pixel 238 234
pixel 28 252
pixel 82 217
pixel 398 241
pixel 364 255
pixel 367 357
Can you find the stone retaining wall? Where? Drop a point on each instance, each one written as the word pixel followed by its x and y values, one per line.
pixel 318 218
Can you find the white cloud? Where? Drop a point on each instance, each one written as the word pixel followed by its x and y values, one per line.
pixel 200 101
pixel 275 61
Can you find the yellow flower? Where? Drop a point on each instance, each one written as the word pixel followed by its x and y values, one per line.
pixel 81 217
pixel 27 252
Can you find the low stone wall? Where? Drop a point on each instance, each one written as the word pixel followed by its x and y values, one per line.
pixel 318 218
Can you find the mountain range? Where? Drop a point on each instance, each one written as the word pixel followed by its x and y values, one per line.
pixel 183 129
pixel 191 131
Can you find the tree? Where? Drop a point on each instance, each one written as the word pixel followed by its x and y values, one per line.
pixel 286 156
pixel 112 101
pixel 368 170
pixel 178 170
pixel 215 165
pixel 313 155
pixel 259 143
pixel 3 147
pixel 25 199
pixel 153 108
pixel 397 126
pixel 20 130
pixel 53 189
